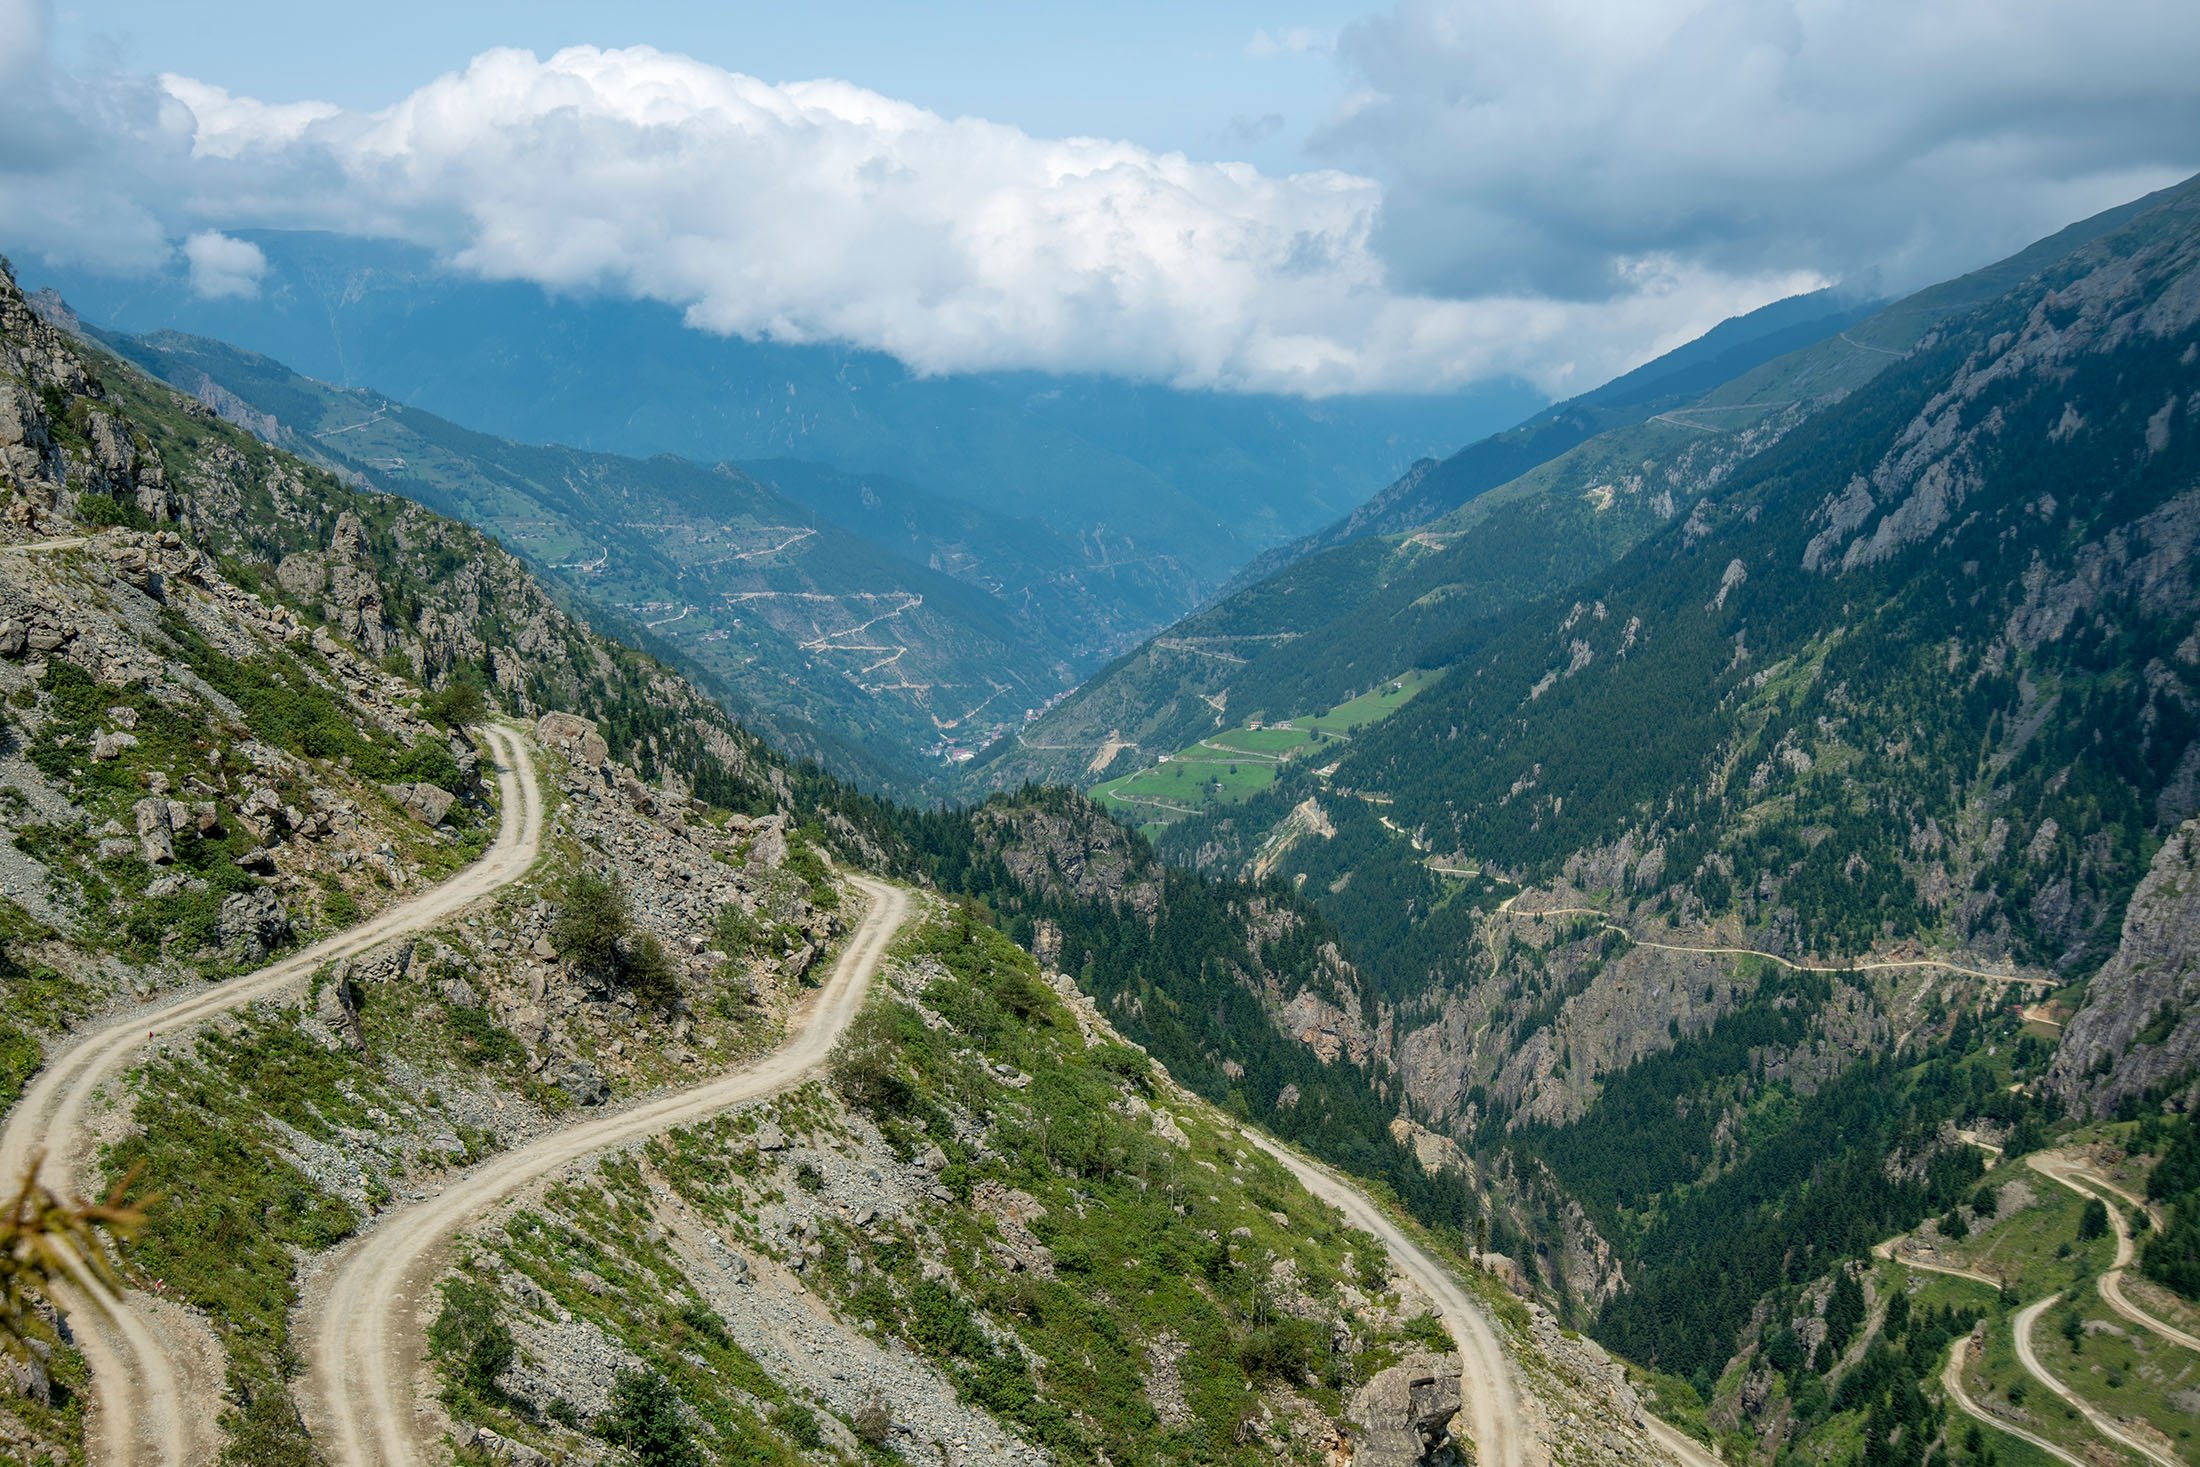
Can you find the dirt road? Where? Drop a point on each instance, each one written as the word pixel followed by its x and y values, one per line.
pixel 2083 1180
pixel 1491 1395
pixel 152 1375
pixel 1951 1381
pixel 1487 1387
pixel 2099 1420
pixel 362 1324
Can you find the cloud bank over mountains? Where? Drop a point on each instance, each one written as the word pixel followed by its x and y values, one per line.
pixel 1522 189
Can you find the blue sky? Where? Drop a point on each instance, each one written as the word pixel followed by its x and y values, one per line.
pixel 1306 196
pixel 1166 76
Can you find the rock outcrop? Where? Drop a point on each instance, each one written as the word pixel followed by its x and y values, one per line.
pixel 2139 1032
pixel 1402 1416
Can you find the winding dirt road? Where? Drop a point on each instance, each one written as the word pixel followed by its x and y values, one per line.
pixel 361 1327
pixel 1491 1396
pixel 2099 1420
pixel 153 1382
pixel 1951 1381
pixel 1487 1387
pixel 2083 1180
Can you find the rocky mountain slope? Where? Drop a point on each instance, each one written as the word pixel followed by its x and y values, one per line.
pixel 236 695
pixel 1450 552
pixel 1736 867
pixel 846 649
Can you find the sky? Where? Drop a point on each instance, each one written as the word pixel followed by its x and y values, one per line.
pixel 1313 198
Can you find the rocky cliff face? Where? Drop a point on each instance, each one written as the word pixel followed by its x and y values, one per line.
pixel 2138 1035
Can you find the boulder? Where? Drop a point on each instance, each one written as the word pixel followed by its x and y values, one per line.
pixel 1402 1416
pixel 768 842
pixel 156 838
pixel 427 803
pixel 574 737
pixel 338 1010
pixel 112 743
pixel 252 924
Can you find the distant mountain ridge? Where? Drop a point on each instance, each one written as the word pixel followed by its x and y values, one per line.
pixel 1585 482
pixel 1198 480
pixel 854 619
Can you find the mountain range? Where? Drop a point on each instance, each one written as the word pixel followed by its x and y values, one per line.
pixel 1720 858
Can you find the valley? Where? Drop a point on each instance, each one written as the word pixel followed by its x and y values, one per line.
pixel 1086 805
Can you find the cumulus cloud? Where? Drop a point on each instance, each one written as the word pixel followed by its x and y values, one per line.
pixel 1534 145
pixel 220 266
pixel 819 211
pixel 1550 191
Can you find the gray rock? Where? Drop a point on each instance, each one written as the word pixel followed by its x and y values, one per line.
pixel 427 803
pixel 338 1010
pixel 580 1080
pixel 2150 988
pixel 252 924
pixel 574 737
pixel 1402 1417
pixel 155 836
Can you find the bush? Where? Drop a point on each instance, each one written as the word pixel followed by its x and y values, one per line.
pixel 873 1422
pixel 472 1338
pixel 1284 1351
pixel 867 1068
pixel 798 1424
pixel 456 704
pixel 592 921
pixel 645 1419
pixel 645 968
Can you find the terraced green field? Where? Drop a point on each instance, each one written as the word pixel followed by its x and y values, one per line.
pixel 1229 766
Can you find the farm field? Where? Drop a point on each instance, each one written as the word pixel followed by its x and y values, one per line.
pixel 1232 765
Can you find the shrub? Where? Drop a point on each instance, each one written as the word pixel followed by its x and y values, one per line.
pixel 472 1338
pixel 798 1424
pixel 867 1069
pixel 645 1419
pixel 456 704
pixel 1284 1351
pixel 873 1422
pixel 592 921
pixel 646 970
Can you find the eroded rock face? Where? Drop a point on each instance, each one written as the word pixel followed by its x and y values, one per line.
pixel 1402 1417
pixel 2140 1026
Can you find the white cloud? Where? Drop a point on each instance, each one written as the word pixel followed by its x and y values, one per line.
pixel 1550 190
pixel 821 211
pixel 221 266
pixel 1533 144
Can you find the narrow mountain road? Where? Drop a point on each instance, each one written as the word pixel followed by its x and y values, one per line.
pixel 1869 965
pixel 1887 1251
pixel 2067 1170
pixel 2064 1170
pixel 2099 1420
pixel 1491 1395
pixel 154 1388
pixel 32 547
pixel 361 1326
pixel 1951 1381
